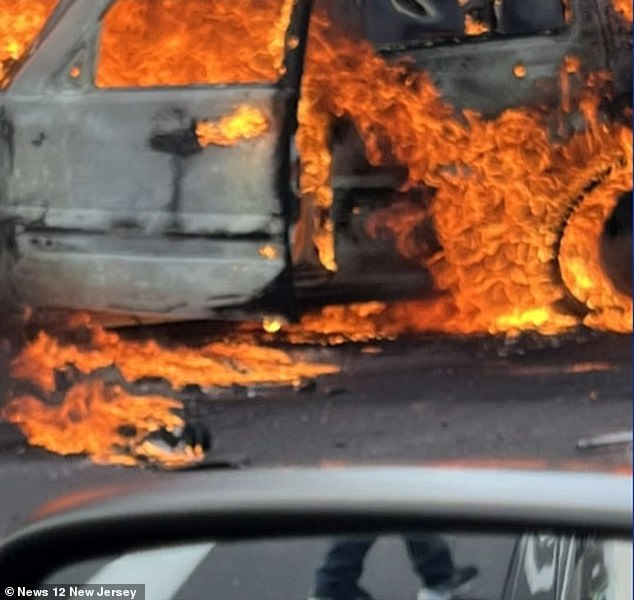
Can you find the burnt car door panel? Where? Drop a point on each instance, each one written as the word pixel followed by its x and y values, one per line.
pixel 124 206
pixel 402 23
pixel 155 277
pixel 477 71
pixel 101 158
pixel 516 17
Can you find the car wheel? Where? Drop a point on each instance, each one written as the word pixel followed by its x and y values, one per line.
pixel 615 245
pixel 594 254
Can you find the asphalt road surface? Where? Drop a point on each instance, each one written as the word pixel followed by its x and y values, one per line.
pixel 409 401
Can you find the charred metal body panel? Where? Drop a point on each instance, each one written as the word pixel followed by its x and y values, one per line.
pixel 476 72
pixel 115 204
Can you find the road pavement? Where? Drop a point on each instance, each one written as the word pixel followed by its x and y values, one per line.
pixel 415 401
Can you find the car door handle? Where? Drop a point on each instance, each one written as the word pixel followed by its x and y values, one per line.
pixel 424 11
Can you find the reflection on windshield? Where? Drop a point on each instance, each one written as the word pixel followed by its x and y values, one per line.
pixel 429 554
pixel 426 566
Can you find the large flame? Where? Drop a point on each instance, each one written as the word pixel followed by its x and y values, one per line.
pixel 579 260
pixel 313 144
pixel 91 413
pixel 105 422
pixel 504 186
pixel 183 42
pixel 20 22
pixel 217 364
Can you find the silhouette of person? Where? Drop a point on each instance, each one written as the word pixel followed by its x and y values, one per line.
pixel 338 577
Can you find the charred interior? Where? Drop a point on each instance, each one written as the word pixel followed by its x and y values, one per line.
pixel 336 171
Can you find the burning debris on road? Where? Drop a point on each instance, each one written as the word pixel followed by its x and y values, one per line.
pixel 504 212
pixel 102 413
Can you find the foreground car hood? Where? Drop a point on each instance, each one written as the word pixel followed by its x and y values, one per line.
pixel 232 505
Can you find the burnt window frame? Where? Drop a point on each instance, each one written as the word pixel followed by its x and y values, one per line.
pixel 492 35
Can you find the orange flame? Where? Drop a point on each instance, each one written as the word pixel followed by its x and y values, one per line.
pixel 579 257
pixel 472 27
pixel 356 322
pixel 91 420
pixel 313 143
pixel 567 11
pixel 183 42
pixel 269 252
pixel 20 22
pixel 217 364
pixel 624 7
pixel 245 123
pixel 569 68
pixel 503 186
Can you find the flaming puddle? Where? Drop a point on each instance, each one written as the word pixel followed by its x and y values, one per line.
pixel 93 383
pixel 517 212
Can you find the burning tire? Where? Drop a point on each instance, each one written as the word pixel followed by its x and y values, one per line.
pixel 615 245
pixel 595 257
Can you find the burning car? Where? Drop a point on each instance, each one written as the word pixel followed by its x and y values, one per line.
pixel 149 158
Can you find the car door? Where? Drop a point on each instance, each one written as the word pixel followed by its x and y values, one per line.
pixel 130 140
pixel 488 56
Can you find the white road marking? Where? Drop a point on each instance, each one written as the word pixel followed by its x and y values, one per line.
pixel 162 571
pixel 618 561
